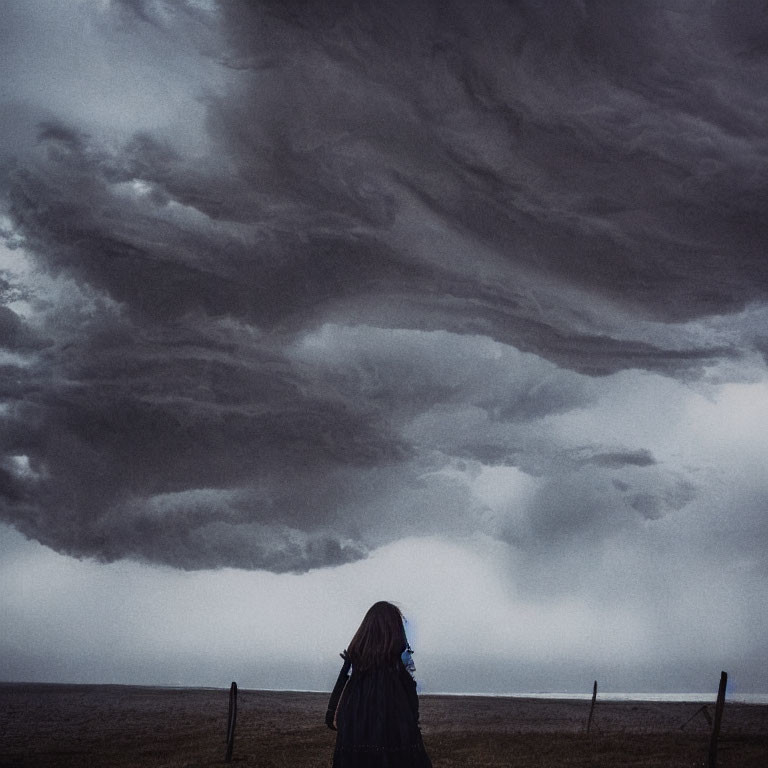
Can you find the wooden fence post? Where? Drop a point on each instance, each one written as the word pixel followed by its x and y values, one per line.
pixel 712 762
pixel 231 720
pixel 592 708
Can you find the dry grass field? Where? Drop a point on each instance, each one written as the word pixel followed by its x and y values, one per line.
pixel 118 726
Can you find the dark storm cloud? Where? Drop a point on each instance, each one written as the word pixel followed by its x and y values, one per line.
pixel 589 142
pixel 14 333
pixel 642 458
pixel 132 437
pixel 402 218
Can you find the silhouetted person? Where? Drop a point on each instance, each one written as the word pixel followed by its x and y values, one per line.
pixel 376 708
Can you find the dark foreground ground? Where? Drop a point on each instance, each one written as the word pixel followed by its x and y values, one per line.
pixel 106 726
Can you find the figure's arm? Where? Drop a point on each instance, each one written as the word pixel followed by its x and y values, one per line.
pixel 409 684
pixel 341 681
pixel 407 658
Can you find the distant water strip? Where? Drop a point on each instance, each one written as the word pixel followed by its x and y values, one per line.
pixel 737 698
pixel 703 698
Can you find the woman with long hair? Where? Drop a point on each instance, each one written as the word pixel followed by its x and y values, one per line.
pixel 374 706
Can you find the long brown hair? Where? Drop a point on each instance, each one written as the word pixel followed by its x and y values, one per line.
pixel 380 639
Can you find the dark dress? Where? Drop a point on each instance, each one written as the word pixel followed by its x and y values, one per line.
pixel 378 720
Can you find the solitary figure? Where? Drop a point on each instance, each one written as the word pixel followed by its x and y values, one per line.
pixel 374 705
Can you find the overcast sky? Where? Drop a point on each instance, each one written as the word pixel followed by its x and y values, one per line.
pixel 460 305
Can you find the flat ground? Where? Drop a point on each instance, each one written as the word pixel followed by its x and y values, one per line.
pixel 120 726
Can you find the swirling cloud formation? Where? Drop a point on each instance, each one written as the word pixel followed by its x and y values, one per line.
pixel 284 281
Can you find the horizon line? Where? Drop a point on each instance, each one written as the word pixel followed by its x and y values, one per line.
pixel 760 697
